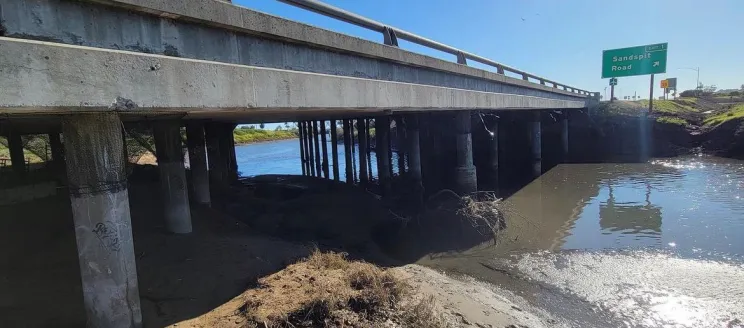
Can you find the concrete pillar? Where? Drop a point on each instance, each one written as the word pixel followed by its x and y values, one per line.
pixel 301 137
pixel 363 173
pixel 227 143
pixel 414 156
pixel 103 228
pixel 55 143
pixel 400 133
pixel 324 146
pixel 216 162
pixel 310 149
pixel 535 136
pixel 173 193
pixel 198 162
pixel 334 150
pixel 465 175
pixel 347 152
pixel 368 150
pixel 493 153
pixel 382 151
pixel 316 143
pixel 306 145
pixel 564 137
pixel 17 159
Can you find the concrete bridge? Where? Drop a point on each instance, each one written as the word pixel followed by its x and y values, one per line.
pixel 86 68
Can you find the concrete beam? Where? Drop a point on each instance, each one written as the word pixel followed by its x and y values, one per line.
pixel 36 79
pixel 100 210
pixel 173 192
pixel 211 30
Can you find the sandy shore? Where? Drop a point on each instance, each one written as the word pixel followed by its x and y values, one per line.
pixel 467 302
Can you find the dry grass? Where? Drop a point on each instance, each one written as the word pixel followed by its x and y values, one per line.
pixel 482 210
pixel 327 290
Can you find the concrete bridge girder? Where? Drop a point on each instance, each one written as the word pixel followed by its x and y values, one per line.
pixel 209 88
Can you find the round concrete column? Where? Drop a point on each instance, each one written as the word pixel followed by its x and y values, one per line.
pixel 465 176
pixel 198 162
pixel 493 153
pixel 100 210
pixel 362 132
pixel 564 137
pixel 382 150
pixel 173 191
pixel 535 136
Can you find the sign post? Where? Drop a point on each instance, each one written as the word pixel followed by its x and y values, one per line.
pixel 613 83
pixel 640 60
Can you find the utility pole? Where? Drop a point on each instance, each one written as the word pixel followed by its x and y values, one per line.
pixel 651 96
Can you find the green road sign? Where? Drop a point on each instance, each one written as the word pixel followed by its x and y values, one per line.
pixel 642 60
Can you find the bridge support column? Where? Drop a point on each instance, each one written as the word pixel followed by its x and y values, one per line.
pixel 217 171
pixel 401 143
pixel 334 150
pixel 100 210
pixel 564 137
pixel 324 146
pixel 58 158
pixel 382 151
pixel 173 191
pixel 465 176
pixel 316 140
pixel 301 137
pixel 198 162
pixel 347 152
pixel 535 136
pixel 17 159
pixel 493 154
pixel 310 151
pixel 362 131
pixel 227 142
pixel 414 156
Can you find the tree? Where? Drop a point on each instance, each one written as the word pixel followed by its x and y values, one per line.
pixel 735 93
pixel 261 126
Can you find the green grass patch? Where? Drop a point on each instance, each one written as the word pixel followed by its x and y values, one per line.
pixel 733 113
pixel 244 136
pixel 671 120
pixel 671 106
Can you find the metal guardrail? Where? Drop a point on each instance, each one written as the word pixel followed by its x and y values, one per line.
pixel 391 35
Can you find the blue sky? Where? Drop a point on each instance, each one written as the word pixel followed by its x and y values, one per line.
pixel 561 40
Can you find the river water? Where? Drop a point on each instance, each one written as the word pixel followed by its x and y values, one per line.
pixel 659 244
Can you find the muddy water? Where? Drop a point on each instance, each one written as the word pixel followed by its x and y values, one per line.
pixel 623 245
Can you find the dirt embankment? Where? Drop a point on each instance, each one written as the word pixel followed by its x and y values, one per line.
pixel 327 290
pixel 682 126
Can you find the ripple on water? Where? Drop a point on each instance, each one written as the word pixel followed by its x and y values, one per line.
pixel 645 289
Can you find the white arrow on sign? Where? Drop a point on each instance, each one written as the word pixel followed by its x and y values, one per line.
pixel 656 63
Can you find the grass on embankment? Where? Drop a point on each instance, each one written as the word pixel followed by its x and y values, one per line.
pixel 244 136
pixel 734 113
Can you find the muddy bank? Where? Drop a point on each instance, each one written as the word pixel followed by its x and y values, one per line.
pixel 615 131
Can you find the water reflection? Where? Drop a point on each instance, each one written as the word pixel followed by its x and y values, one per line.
pixel 638 245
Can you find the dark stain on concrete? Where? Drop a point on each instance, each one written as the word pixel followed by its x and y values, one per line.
pixel 27 36
pixel 170 50
pixel 138 47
